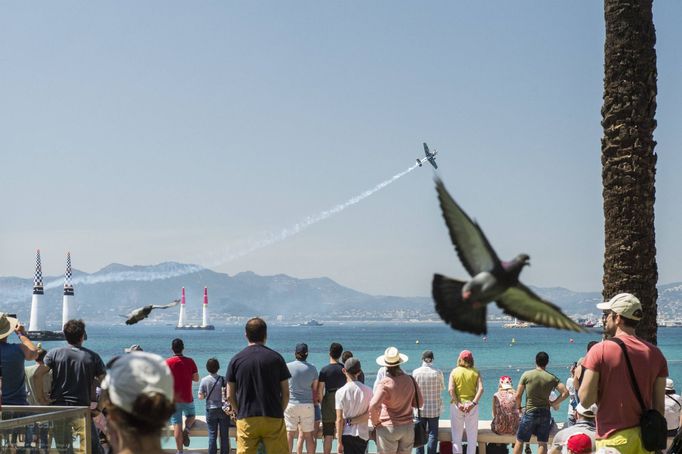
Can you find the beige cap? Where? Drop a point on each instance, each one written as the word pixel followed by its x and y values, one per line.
pixel 624 304
pixel 134 374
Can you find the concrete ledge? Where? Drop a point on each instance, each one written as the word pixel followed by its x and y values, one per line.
pixel 485 434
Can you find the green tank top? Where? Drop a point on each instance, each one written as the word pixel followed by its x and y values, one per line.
pixel 465 382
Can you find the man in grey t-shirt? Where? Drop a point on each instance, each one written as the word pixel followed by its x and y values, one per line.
pixel 300 413
pixel 76 371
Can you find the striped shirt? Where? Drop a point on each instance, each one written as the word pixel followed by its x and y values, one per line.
pixel 431 384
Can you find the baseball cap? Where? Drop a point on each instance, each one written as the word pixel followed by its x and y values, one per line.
pixel 669 384
pixel 301 348
pixel 589 412
pixel 427 355
pixel 136 374
pixel 352 365
pixel 579 443
pixel 624 304
pixel 466 355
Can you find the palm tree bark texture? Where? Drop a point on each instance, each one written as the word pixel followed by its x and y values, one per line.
pixel 628 158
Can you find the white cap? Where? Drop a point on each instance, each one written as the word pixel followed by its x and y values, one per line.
pixel 589 412
pixel 135 374
pixel 625 304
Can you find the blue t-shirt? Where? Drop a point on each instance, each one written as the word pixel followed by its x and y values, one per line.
pixel 13 377
pixel 215 398
pixel 303 374
pixel 258 372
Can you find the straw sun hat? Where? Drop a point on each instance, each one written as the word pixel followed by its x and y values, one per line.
pixel 391 357
pixel 7 325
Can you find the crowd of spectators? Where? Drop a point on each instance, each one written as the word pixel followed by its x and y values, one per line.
pixel 275 402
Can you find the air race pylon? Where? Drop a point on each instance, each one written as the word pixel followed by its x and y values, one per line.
pixel 204 309
pixel 181 320
pixel 36 322
pixel 67 300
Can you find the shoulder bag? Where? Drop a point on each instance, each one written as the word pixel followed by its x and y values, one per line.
pixel 421 437
pixel 652 423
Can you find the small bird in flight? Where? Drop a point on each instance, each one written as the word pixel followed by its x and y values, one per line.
pixel 463 304
pixel 143 312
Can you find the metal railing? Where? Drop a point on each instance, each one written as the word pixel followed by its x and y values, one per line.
pixel 52 426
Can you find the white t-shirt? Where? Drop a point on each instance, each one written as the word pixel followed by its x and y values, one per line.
pixel 572 396
pixel 672 410
pixel 353 399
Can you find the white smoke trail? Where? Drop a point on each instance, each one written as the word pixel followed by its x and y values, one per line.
pixel 174 270
pixel 308 221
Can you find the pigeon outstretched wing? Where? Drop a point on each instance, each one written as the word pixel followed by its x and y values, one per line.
pixel 461 315
pixel 166 306
pixel 471 245
pixel 521 302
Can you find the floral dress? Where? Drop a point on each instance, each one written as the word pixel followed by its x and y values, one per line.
pixel 506 419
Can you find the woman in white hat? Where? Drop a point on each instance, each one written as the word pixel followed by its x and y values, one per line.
pixel 505 414
pixel 391 408
pixel 673 408
pixel 137 399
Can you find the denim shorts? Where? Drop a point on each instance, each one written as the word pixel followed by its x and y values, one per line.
pixel 538 422
pixel 182 407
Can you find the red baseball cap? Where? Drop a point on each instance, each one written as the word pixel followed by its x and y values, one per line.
pixel 466 355
pixel 579 443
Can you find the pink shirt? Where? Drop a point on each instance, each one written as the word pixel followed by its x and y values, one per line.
pixel 618 405
pixel 393 401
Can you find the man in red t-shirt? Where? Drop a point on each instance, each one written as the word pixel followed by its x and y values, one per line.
pixel 607 379
pixel 184 371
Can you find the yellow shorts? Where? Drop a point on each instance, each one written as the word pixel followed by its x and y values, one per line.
pixel 627 441
pixel 251 431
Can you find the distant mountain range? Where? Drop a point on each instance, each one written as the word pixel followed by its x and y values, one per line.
pixel 117 289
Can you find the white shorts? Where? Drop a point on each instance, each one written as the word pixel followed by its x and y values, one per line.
pixel 300 415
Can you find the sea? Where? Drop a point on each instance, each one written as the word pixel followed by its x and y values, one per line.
pixel 504 351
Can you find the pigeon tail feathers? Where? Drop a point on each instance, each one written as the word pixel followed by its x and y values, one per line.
pixel 469 316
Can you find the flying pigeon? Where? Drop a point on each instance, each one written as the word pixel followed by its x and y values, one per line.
pixel 143 312
pixel 462 304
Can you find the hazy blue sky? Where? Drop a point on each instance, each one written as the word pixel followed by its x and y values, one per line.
pixel 144 132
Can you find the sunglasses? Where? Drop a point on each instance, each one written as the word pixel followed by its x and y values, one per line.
pixel 605 316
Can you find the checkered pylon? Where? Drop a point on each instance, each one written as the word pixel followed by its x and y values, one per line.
pixel 67 274
pixel 38 277
pixel 68 288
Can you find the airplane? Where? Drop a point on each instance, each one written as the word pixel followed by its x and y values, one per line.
pixel 431 157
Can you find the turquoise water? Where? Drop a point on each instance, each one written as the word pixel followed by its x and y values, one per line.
pixel 496 356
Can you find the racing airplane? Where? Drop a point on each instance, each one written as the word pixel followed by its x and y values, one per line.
pixel 431 157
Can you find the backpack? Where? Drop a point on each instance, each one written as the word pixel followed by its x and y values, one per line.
pixel 506 420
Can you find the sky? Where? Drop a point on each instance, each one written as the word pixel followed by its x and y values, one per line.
pixel 210 132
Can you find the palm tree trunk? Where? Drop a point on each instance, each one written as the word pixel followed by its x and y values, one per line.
pixel 628 158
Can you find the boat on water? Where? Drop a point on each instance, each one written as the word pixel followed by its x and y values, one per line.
pixel 586 323
pixel 517 324
pixel 44 335
pixel 311 323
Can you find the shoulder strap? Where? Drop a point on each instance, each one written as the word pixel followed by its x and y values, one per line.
pixel 416 396
pixel 633 380
pixel 674 400
pixel 213 387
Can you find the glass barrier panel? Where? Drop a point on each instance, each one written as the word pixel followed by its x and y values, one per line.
pixel 42 429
